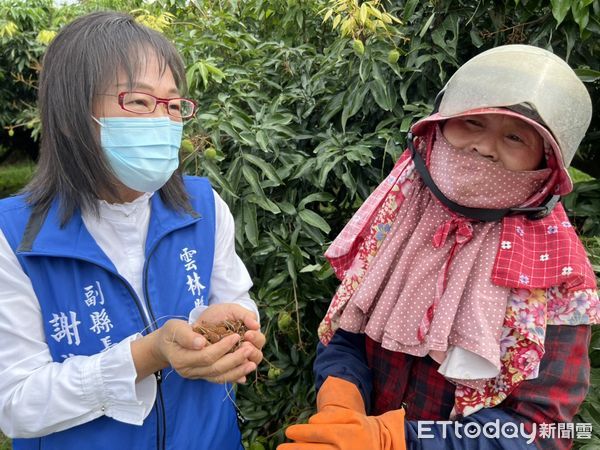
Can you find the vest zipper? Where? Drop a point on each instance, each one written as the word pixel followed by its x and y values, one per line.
pixel 161 438
pixel 160 410
pixel 160 407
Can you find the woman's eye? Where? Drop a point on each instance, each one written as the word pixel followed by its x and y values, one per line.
pixel 138 102
pixel 515 138
pixel 473 122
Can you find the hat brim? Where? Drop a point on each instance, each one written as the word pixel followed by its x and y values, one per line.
pixel 564 183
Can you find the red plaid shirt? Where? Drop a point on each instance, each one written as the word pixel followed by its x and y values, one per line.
pixel 553 397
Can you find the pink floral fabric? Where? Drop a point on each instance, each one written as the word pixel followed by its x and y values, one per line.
pixel 357 244
pixel 528 314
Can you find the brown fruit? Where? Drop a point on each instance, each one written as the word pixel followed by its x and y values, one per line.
pixel 214 332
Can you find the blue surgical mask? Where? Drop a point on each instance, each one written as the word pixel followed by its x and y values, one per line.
pixel 143 152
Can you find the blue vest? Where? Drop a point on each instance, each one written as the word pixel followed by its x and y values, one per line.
pixel 87 306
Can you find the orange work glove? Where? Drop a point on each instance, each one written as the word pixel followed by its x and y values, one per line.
pixel 341 423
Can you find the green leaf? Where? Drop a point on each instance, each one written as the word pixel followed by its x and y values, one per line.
pixel 595 340
pixel 213 172
pixel 364 69
pixel 581 14
pixel 251 177
pixel 588 75
pixel 262 140
pixel 277 119
pixel 406 123
pixel 409 9
pixel 353 102
pixel 316 197
pixel 334 106
pixel 217 74
pixel 315 220
pixel 256 414
pixel 579 176
pixel 203 72
pixel 191 73
pixel 327 168
pixel 560 8
pixel 427 25
pixel 250 224
pixel 476 38
pixel 381 93
pixel 595 376
pixel 287 208
pixel 310 268
pixel 228 129
pixel 440 35
pixel 239 122
pixel 264 202
pixel 292 268
pixel 325 272
pixel 350 182
pixel 263 165
pixel 591 446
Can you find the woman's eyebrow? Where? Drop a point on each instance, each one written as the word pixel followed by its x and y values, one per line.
pixel 524 126
pixel 145 87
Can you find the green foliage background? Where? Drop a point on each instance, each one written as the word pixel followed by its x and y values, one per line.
pixel 304 124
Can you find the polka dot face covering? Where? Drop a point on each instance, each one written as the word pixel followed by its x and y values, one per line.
pixel 471 180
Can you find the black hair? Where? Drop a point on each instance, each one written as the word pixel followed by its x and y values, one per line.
pixel 80 63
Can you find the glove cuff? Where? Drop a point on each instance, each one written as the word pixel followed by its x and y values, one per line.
pixel 392 430
pixel 341 393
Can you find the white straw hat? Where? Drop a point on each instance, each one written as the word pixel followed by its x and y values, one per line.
pixel 527 82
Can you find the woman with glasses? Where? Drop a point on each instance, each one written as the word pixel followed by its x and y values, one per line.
pixel 109 256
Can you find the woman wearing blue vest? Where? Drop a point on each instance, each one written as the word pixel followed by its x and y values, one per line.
pixel 110 254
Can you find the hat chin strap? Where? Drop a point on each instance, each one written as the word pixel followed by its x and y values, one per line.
pixel 480 214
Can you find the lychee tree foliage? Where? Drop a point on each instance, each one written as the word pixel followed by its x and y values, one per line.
pixel 304 106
